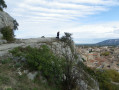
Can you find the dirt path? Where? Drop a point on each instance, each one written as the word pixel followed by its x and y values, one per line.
pixel 4 48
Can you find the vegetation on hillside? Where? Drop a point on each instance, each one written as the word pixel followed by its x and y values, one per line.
pixel 53 68
pixel 11 80
pixel 108 79
pixel 56 70
pixel 2 5
pixel 42 60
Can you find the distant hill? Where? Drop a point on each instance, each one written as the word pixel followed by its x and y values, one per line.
pixel 109 42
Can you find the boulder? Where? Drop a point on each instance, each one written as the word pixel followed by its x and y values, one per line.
pixel 32 75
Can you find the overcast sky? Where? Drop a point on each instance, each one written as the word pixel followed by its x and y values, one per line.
pixel 89 21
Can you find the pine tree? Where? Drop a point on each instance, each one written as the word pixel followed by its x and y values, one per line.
pixel 2 5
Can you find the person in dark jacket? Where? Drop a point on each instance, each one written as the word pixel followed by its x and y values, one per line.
pixel 58 35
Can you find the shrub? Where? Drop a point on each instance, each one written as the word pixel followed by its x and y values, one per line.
pixel 105 54
pixel 43 60
pixel 8 33
pixel 70 63
pixel 67 38
pixel 2 5
pixel 114 75
pixel 15 25
pixel 69 82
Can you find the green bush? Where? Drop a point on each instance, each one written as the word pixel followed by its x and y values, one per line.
pixel 105 78
pixel 105 54
pixel 114 75
pixel 43 60
pixel 8 34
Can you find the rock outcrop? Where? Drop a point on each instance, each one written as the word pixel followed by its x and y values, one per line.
pixel 5 20
pixel 84 81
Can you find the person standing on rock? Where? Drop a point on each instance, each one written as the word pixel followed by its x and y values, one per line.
pixel 58 35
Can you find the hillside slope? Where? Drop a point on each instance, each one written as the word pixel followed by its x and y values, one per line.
pixel 84 80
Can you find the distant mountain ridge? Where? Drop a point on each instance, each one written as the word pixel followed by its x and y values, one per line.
pixel 109 42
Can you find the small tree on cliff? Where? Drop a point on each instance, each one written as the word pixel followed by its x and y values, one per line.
pixel 8 33
pixel 2 5
pixel 69 82
pixel 15 24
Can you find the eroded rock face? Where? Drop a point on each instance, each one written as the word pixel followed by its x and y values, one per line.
pixel 5 20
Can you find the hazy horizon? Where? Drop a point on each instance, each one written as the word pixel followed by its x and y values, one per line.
pixel 90 21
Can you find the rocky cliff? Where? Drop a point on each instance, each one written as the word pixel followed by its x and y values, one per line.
pixel 5 20
pixel 84 80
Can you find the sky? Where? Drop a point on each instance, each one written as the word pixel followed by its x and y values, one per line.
pixel 89 21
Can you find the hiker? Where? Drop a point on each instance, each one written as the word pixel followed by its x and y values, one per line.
pixel 58 35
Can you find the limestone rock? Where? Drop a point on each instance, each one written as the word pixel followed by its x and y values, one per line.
pixel 32 75
pixel 6 20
